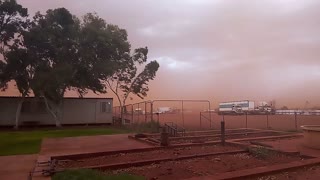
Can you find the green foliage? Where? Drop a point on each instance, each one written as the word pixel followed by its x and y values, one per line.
pixel 12 21
pixel 126 80
pixel 139 85
pixel 60 52
pixel 28 142
pixel 56 52
pixel 261 152
pixel 85 174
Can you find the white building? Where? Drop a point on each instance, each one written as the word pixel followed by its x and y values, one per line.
pixel 75 111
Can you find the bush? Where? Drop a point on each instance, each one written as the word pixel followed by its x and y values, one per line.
pixel 261 152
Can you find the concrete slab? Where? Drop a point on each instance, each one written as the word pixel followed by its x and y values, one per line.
pixel 16 167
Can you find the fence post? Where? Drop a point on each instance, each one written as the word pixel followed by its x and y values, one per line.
pixel 145 111
pixel 200 121
pixel 151 111
pixel 210 120
pixel 210 114
pixel 222 132
pixel 138 113
pixel 182 114
pixel 132 114
pixel 246 120
pixel 295 120
pixel 267 121
pixel 158 114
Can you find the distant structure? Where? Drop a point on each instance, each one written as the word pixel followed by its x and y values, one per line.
pixel 298 112
pixel 245 107
pixel 75 111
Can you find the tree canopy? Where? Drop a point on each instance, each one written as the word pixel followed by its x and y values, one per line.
pixel 56 51
pixel 13 21
pixel 126 80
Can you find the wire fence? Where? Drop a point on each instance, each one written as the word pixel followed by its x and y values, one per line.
pixel 184 113
pixel 284 122
pixel 197 115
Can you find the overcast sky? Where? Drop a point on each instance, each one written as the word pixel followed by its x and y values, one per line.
pixel 217 49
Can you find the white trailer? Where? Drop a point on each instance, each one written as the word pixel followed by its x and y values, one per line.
pixel 236 107
pixel 162 110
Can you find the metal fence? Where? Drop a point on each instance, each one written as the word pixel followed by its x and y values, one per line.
pixel 184 113
pixel 285 122
pixel 197 115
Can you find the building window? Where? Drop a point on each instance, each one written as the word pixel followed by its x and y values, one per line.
pixel 105 107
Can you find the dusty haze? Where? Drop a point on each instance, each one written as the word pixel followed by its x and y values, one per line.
pixel 219 50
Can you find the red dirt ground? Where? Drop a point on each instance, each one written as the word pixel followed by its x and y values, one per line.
pixel 165 170
pixel 16 167
pixel 310 173
pixel 204 139
pixel 215 132
pixel 210 165
pixel 137 156
pixel 87 144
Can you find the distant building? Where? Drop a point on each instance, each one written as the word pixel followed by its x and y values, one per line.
pixel 299 112
pixel 75 111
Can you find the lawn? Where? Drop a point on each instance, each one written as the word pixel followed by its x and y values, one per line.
pixel 86 174
pixel 28 142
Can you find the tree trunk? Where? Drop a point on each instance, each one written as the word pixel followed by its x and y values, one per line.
pixel 121 108
pixel 59 116
pixel 18 113
pixel 54 111
pixel 122 112
pixel 122 115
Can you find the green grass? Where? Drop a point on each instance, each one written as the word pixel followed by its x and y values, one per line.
pixel 261 152
pixel 88 174
pixel 28 142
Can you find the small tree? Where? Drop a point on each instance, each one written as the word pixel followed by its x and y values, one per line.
pixel 126 80
pixel 19 68
pixel 15 65
pixel 72 55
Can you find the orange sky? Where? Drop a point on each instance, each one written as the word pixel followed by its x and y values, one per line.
pixel 220 50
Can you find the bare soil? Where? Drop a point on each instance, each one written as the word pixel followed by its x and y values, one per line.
pixel 138 156
pixel 210 165
pixel 270 140
pixel 228 131
pixel 311 173
pixel 205 139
